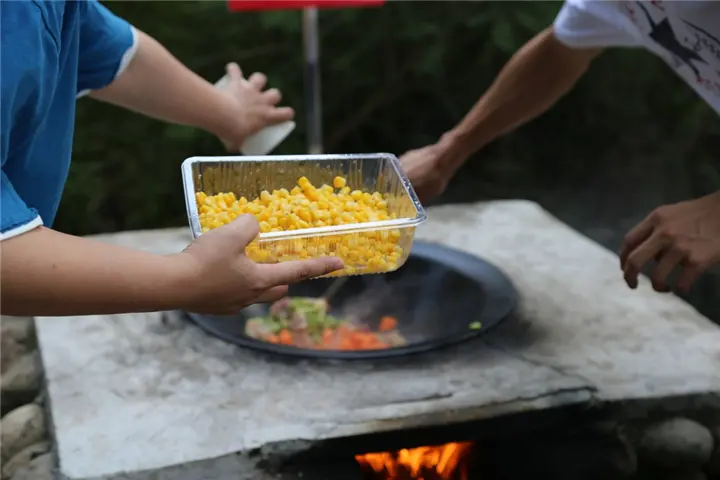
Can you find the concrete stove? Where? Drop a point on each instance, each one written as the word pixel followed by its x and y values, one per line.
pixel 152 397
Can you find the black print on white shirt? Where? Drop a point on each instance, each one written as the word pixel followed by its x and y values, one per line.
pixel 704 41
pixel 663 34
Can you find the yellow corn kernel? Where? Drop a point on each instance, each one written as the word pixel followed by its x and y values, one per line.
pixel 305 206
pixel 304 213
pixel 339 182
pixel 265 197
pixel 312 194
pixel 304 183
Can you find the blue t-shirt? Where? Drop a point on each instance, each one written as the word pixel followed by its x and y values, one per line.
pixel 52 52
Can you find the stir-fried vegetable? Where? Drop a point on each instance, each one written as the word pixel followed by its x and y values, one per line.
pixel 306 323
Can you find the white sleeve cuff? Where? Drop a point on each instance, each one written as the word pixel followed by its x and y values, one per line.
pixel 124 61
pixel 578 25
pixel 19 230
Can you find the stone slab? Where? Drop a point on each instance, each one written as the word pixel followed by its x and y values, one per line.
pixel 134 397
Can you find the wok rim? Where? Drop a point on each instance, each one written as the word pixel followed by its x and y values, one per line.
pixel 499 303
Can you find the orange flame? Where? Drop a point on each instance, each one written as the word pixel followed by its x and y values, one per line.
pixel 440 461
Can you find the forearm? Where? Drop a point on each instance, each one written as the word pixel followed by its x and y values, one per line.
pixel 45 272
pixel 536 77
pixel 156 84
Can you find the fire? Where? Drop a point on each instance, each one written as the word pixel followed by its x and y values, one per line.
pixel 436 462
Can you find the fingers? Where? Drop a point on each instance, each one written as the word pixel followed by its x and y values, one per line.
pixel 635 237
pixel 408 157
pixel 687 277
pixel 286 273
pixel 272 294
pixel 239 232
pixel 234 72
pixel 638 257
pixel 279 115
pixel 666 263
pixel 258 81
pixel 272 96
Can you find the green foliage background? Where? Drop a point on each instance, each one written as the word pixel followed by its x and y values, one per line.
pixel 630 136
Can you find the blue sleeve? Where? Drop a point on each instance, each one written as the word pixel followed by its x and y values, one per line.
pixel 15 217
pixel 107 44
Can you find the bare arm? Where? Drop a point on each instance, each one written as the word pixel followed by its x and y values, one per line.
pixel 156 84
pixel 45 272
pixel 536 77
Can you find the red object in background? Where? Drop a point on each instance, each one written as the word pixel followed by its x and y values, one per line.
pixel 240 5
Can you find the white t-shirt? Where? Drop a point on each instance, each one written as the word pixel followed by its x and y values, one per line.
pixel 686 34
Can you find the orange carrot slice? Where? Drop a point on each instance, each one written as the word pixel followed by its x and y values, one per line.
pixel 388 323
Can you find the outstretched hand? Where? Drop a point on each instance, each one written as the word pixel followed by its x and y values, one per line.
pixel 225 280
pixel 422 168
pixel 256 109
pixel 685 235
pixel 430 168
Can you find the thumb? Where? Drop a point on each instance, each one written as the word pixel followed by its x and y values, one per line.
pixel 285 273
pixel 239 232
pixel 234 72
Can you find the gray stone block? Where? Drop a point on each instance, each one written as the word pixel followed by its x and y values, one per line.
pixel 133 398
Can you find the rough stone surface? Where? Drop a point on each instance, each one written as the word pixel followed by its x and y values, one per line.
pixel 20 384
pixel 23 457
pixel 39 468
pixel 676 443
pixel 21 428
pixel 17 341
pixel 135 398
pixel 18 331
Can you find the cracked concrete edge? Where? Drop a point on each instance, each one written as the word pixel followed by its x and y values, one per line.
pixel 559 370
pixel 278 452
pixel 245 465
pixel 629 409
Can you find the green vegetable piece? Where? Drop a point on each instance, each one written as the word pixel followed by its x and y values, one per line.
pixel 475 326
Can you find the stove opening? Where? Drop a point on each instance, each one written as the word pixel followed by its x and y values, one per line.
pixel 449 461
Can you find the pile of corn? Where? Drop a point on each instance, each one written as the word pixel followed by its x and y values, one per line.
pixel 306 206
